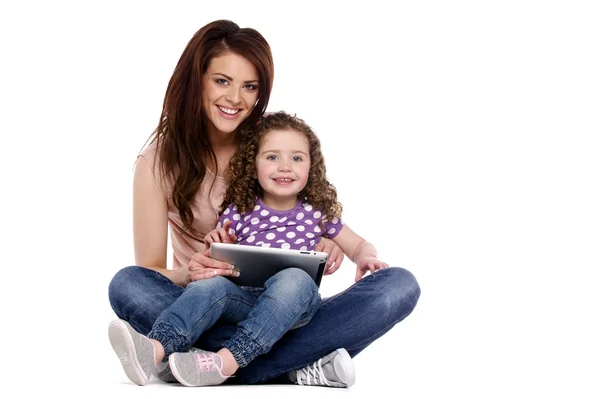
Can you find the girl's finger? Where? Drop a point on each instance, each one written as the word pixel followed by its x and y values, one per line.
pixel 223 235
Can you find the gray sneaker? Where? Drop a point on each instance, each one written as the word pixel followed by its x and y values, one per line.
pixel 134 350
pixel 333 370
pixel 197 368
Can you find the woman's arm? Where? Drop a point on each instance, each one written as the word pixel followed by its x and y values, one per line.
pixel 362 252
pixel 150 224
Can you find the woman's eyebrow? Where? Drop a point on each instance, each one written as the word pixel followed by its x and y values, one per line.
pixel 230 78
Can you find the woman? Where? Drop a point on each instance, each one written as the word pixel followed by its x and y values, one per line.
pixel 221 85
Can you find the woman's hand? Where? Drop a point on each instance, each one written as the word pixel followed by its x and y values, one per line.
pixel 202 266
pixel 336 256
pixel 368 264
pixel 220 235
pixel 179 276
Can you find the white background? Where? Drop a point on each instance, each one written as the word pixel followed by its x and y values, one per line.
pixel 463 138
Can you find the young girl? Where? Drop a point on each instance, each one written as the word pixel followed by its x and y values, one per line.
pixel 280 197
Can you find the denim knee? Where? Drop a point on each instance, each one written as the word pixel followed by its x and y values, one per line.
pixel 139 295
pixel 120 287
pixel 296 291
pixel 398 292
pixel 293 286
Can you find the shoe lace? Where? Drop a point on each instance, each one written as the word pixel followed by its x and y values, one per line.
pixel 206 361
pixel 312 375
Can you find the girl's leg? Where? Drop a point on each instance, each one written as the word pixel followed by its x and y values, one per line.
pixel 148 300
pixel 290 298
pixel 178 316
pixel 352 320
pixel 198 308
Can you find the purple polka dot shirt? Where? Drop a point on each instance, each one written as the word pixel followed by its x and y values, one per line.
pixel 296 228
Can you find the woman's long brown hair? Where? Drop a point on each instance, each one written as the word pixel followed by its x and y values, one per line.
pixel 183 145
pixel 244 188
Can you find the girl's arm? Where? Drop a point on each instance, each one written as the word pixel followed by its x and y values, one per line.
pixel 360 251
pixel 336 255
pixel 221 234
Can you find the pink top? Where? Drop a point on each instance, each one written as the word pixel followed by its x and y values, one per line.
pixel 205 209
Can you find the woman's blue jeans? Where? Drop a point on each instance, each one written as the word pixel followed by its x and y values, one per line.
pixel 352 319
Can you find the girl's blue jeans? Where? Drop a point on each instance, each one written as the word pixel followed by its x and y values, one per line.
pixel 215 313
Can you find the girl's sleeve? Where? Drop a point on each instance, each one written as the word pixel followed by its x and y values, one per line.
pixel 333 227
pixel 228 214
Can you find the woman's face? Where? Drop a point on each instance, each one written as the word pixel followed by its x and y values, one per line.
pixel 229 92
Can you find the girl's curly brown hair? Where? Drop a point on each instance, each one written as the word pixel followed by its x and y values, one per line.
pixel 244 188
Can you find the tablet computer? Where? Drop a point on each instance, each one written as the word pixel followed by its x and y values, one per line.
pixel 257 264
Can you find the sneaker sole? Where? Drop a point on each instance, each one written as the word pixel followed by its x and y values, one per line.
pixel 122 343
pixel 345 361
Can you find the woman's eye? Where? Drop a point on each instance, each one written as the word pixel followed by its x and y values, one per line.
pixel 250 87
pixel 221 81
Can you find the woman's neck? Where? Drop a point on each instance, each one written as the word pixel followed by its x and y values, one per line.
pixel 219 139
pixel 224 146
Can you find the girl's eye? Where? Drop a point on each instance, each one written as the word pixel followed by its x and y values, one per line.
pixel 272 157
pixel 297 159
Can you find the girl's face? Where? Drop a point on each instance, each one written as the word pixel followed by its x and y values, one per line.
pixel 229 92
pixel 282 166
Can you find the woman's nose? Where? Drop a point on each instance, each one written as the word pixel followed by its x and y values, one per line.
pixel 233 96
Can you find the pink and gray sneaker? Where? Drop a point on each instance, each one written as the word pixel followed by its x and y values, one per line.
pixel 334 370
pixel 163 370
pixel 197 368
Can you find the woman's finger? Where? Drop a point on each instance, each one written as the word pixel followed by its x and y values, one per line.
pixel 203 260
pixel 211 273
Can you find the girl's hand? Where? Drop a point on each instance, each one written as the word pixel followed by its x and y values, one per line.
pixel 220 235
pixel 202 266
pixel 336 256
pixel 369 264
